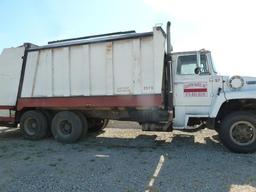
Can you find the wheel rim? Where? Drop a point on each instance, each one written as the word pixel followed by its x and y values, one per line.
pixel 243 133
pixel 31 126
pixel 65 127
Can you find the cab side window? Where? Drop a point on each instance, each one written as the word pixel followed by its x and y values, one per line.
pixel 186 65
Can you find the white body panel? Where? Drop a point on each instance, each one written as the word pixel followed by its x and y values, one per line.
pixel 10 69
pixel 121 67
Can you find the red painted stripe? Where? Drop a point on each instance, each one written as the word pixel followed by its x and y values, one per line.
pixel 7 119
pixel 92 101
pixel 7 107
pixel 195 90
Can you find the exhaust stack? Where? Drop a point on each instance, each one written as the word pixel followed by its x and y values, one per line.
pixel 168 31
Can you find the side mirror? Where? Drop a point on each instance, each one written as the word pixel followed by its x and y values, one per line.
pixel 197 70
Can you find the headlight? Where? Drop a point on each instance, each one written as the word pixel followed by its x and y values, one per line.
pixel 236 82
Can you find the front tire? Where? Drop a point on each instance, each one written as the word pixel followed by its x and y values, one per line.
pixel 34 125
pixel 238 132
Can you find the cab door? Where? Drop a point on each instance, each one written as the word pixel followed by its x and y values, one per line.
pixel 192 80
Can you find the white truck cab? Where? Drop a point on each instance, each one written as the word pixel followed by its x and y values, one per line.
pixel 202 98
pixel 196 85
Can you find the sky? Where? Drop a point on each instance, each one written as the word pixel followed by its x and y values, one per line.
pixel 225 27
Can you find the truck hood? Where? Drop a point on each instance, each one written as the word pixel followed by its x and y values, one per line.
pixel 248 83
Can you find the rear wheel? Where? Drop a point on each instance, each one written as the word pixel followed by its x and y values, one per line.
pixel 238 132
pixel 34 125
pixel 67 126
pixel 97 124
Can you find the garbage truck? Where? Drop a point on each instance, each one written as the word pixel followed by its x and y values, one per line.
pixel 70 86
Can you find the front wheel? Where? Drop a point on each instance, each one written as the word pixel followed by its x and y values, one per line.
pixel 238 132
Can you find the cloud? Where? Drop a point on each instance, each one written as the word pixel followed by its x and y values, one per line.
pixel 202 10
pixel 225 27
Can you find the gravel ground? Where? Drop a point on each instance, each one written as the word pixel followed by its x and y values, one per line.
pixel 123 158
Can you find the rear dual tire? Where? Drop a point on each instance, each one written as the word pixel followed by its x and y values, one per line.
pixel 68 126
pixel 34 125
